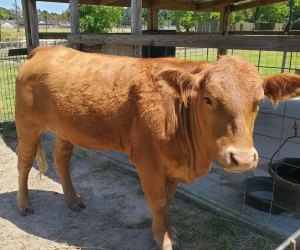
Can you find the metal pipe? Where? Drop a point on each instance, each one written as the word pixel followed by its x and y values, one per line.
pixel 290 241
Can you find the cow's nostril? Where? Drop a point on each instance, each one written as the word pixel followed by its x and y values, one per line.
pixel 234 162
pixel 255 157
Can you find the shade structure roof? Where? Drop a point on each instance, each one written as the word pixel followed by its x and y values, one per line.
pixel 194 5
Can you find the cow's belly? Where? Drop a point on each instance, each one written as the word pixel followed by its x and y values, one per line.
pixel 97 118
pixel 93 134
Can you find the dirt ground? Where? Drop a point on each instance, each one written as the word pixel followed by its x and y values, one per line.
pixel 116 216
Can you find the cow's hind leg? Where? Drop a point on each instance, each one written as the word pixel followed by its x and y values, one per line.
pixel 62 157
pixel 26 151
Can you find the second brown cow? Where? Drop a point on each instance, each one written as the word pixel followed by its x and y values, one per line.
pixel 173 118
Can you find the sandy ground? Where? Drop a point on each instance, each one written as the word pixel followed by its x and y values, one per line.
pixel 116 216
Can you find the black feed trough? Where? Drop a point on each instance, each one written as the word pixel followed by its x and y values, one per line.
pixel 259 194
pixel 286 173
pixel 279 193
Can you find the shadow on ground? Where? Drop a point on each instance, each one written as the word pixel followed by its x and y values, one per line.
pixel 99 226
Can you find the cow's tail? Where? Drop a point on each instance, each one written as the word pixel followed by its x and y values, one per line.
pixel 40 158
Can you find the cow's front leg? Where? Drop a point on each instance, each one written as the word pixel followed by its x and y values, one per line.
pixel 62 157
pixel 171 189
pixel 158 192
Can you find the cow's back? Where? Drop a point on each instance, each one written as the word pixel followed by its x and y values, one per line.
pixel 85 98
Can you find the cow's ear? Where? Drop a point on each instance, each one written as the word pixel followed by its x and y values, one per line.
pixel 179 83
pixel 281 87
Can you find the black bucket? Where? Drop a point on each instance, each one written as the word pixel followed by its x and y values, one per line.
pixel 259 194
pixel 286 173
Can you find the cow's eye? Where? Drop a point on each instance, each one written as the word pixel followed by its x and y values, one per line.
pixel 207 100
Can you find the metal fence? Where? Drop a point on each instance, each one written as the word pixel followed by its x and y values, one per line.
pixel 11 57
pixel 9 65
pixel 219 189
pixel 256 196
pixel 232 193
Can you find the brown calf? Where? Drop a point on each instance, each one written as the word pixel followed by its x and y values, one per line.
pixel 172 118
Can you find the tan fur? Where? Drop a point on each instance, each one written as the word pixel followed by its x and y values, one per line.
pixel 173 118
pixel 281 87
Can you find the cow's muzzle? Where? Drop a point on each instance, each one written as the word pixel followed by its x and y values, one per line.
pixel 238 160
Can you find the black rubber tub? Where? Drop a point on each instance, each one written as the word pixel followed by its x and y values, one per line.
pixel 259 194
pixel 286 173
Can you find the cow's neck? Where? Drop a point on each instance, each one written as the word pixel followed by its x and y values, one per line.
pixel 194 153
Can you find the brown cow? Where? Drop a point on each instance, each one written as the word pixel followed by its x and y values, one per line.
pixel 172 118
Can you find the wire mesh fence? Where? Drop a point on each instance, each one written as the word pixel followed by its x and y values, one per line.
pixel 9 66
pixel 10 62
pixel 222 190
pixel 273 205
pixel 272 202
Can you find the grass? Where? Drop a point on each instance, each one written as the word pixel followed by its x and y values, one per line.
pixel 268 62
pixel 218 233
pixel 14 35
pixel 8 72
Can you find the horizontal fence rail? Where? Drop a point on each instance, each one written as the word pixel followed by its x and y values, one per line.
pixel 281 43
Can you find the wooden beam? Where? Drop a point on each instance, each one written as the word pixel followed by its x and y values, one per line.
pixel 146 4
pixel 277 43
pixel 136 23
pixel 53 35
pixel 74 17
pixel 152 19
pixel 160 4
pixel 74 20
pixel 104 2
pixel 27 25
pixel 265 32
pixel 136 17
pixel 216 4
pixel 34 26
pixel 180 4
pixel 223 26
pixel 184 5
pixel 254 4
pixel 224 20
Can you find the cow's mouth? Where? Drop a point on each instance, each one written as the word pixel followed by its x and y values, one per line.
pixel 236 169
pixel 233 170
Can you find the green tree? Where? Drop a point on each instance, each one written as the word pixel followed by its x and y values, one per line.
pixel 206 17
pixel 273 13
pixel 296 10
pixel 4 13
pixel 164 17
pixel 99 18
pixel 186 19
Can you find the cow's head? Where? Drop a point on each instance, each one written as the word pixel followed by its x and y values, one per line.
pixel 227 95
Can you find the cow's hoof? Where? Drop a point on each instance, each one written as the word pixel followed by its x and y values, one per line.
pixel 25 211
pixel 77 207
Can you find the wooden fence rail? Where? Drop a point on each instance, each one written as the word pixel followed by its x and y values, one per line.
pixel 251 42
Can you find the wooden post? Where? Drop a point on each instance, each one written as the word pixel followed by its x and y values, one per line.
pixel 74 20
pixel 27 25
pixel 31 24
pixel 136 23
pixel 223 26
pixel 152 20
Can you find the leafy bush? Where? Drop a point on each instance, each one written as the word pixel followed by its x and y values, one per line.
pixel 99 18
pixel 296 25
